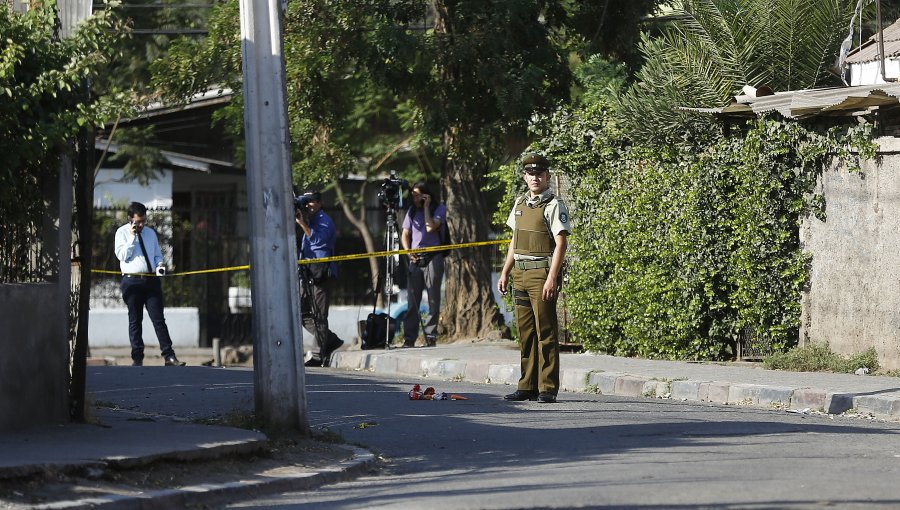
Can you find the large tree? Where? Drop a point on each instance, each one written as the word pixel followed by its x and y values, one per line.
pixel 343 118
pixel 430 86
pixel 495 67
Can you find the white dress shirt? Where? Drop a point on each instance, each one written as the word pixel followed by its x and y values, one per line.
pixel 128 250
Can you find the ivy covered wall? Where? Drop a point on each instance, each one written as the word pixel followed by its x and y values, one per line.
pixel 681 249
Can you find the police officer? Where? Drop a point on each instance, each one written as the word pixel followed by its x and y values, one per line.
pixel 540 224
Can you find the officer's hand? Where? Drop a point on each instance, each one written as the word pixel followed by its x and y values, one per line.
pixel 501 283
pixel 412 258
pixel 549 290
pixel 300 219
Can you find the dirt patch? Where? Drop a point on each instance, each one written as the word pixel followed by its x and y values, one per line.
pixel 296 454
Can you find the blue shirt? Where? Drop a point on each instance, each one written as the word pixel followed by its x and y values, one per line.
pixel 321 239
pixel 128 250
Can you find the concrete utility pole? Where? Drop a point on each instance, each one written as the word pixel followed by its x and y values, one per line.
pixel 277 331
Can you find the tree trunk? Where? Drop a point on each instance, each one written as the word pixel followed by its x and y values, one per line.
pixel 84 220
pixel 469 309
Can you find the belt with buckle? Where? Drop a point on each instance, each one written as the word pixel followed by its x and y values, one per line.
pixel 138 276
pixel 532 264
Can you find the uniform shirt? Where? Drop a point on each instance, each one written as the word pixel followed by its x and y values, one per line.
pixel 415 223
pixel 128 250
pixel 556 215
pixel 321 239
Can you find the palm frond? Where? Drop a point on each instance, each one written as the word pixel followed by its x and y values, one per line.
pixel 717 46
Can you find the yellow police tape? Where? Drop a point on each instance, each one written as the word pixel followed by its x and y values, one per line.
pixel 336 258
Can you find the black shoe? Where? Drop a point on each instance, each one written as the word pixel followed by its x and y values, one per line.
pixel 407 344
pixel 137 363
pixel 329 349
pixel 313 362
pixel 520 395
pixel 546 398
pixel 172 361
pixel 430 341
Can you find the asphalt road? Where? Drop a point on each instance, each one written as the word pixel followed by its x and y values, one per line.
pixel 590 451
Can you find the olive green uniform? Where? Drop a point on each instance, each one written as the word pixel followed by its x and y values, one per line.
pixel 535 221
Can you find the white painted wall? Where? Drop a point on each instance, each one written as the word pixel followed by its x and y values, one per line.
pixel 108 327
pixel 869 73
pixel 109 190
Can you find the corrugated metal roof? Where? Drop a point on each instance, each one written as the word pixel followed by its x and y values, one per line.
pixel 868 51
pixel 800 104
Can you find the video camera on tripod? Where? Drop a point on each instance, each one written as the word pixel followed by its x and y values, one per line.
pixel 379 332
pixel 391 193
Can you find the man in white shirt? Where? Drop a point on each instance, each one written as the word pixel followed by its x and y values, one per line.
pixel 140 258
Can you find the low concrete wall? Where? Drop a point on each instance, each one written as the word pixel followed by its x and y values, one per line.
pixel 34 364
pixel 853 301
pixel 108 327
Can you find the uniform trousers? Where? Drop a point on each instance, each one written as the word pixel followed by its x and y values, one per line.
pixel 538 331
pixel 139 292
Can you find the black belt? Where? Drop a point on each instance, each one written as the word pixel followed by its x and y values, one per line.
pixel 532 264
pixel 138 276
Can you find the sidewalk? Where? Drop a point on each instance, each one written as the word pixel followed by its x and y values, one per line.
pixel 722 383
pixel 143 416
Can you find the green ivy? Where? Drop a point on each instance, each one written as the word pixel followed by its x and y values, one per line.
pixel 679 250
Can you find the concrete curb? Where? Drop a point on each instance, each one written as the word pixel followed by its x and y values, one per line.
pixel 581 380
pixel 209 494
pixel 207 451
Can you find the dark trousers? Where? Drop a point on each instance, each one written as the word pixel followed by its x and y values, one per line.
pixel 139 292
pixel 314 303
pixel 537 327
pixel 427 278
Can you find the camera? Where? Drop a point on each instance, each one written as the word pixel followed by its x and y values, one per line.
pixel 391 193
pixel 310 196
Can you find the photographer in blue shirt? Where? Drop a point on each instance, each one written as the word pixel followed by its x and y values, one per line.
pixel 317 242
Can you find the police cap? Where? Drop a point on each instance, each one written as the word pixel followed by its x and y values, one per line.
pixel 534 163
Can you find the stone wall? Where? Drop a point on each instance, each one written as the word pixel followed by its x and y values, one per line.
pixel 853 301
pixel 34 326
pixel 34 365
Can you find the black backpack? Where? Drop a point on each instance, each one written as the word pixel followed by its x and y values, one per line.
pixel 379 327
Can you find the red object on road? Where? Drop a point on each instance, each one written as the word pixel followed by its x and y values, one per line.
pixel 416 393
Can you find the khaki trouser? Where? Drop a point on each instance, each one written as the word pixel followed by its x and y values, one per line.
pixel 538 333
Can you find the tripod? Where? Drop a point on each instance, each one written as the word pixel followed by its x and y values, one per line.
pixel 309 309
pixel 391 243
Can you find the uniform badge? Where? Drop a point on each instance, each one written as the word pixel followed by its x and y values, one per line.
pixel 563 217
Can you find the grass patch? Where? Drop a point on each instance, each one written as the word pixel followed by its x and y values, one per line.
pixel 820 358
